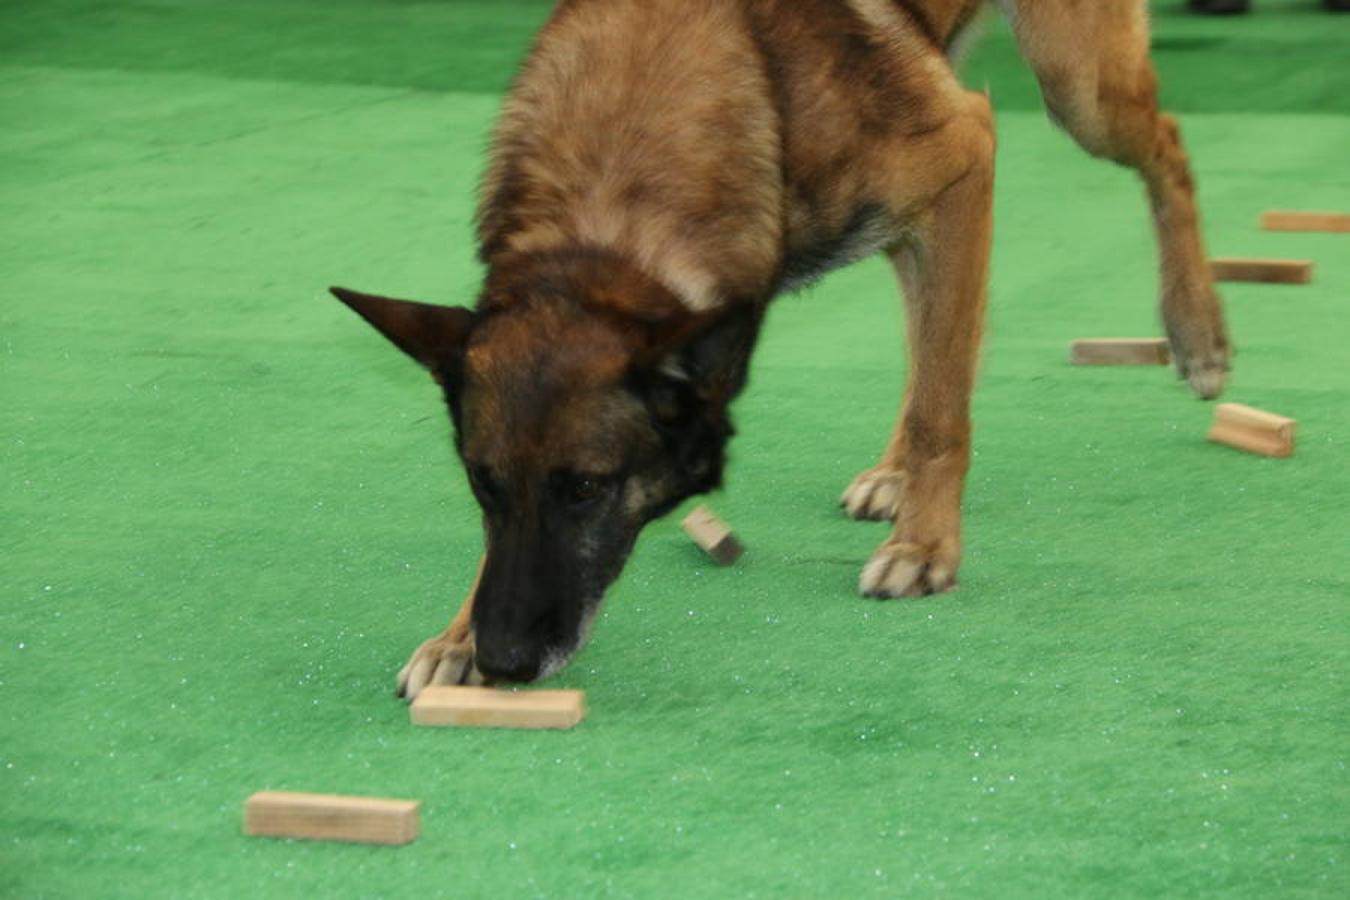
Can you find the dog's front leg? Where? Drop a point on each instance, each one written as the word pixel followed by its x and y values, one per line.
pixel 447 658
pixel 943 269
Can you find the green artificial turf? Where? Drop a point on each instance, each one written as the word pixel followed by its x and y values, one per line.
pixel 229 510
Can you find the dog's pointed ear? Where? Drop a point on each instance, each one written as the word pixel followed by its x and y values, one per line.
pixel 432 335
pixel 694 367
pixel 709 352
pixel 686 374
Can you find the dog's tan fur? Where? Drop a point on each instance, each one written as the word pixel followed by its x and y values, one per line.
pixel 724 150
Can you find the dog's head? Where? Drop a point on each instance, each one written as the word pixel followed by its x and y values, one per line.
pixel 586 402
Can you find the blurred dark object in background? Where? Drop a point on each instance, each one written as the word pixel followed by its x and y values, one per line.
pixel 1219 7
pixel 1232 7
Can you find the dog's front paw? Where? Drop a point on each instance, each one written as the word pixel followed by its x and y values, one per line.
pixel 444 659
pixel 874 494
pixel 1199 343
pixel 907 569
pixel 1205 370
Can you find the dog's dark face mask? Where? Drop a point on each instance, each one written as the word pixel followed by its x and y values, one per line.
pixel 575 428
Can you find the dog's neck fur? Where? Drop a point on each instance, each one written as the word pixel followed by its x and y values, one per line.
pixel 663 262
pixel 597 278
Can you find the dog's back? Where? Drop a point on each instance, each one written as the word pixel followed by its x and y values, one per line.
pixel 717 142
pixel 646 127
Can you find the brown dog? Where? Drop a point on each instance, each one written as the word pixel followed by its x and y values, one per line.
pixel 664 168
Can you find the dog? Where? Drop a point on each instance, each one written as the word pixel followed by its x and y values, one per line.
pixel 661 170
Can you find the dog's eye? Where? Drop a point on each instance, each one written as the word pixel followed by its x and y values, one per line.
pixel 584 489
pixel 576 488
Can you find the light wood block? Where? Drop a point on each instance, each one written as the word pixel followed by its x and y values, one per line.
pixel 493 708
pixel 712 535
pixel 1120 352
pixel 1253 430
pixel 331 817
pixel 1286 220
pixel 1265 271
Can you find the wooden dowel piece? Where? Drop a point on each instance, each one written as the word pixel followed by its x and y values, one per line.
pixel 1266 271
pixel 1253 430
pixel 1286 220
pixel 1120 352
pixel 493 708
pixel 712 535
pixel 331 817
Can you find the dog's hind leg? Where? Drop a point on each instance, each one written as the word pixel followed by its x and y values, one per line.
pixel 448 658
pixel 1092 62
pixel 943 266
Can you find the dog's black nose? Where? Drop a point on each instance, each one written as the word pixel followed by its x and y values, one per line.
pixel 508 665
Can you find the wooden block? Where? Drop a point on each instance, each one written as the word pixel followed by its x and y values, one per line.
pixel 1283 220
pixel 1120 352
pixel 1254 430
pixel 330 817
pixel 712 535
pixel 494 708
pixel 1266 271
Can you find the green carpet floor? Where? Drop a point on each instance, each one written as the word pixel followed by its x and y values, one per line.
pixel 229 511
